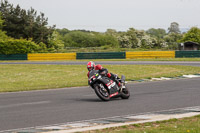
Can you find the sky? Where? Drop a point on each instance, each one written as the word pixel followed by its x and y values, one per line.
pixel 100 15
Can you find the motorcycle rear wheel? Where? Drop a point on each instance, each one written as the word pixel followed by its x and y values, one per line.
pixel 102 93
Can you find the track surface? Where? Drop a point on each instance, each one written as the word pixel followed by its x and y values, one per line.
pixel 38 108
pixel 187 63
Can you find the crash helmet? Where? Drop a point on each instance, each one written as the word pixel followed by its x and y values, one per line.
pixel 90 65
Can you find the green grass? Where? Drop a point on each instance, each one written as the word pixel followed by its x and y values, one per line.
pixel 184 125
pixel 167 59
pixel 157 59
pixel 36 77
pixel 108 49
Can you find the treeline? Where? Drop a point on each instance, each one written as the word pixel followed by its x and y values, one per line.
pixel 132 38
pixel 24 31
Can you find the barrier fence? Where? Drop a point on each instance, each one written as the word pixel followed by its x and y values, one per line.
pixel 52 56
pixel 187 54
pixel 102 55
pixel 13 57
pixel 150 54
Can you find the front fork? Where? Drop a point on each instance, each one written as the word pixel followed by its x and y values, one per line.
pixel 123 87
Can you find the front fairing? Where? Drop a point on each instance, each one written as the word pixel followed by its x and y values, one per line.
pixel 95 77
pixel 112 86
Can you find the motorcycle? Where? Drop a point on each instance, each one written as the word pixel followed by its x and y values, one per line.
pixel 105 88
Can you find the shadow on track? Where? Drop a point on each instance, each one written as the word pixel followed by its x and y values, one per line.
pixel 89 100
pixel 96 100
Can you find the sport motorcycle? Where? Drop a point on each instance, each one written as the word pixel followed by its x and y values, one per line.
pixel 105 88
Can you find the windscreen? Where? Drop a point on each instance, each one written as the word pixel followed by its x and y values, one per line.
pixel 93 72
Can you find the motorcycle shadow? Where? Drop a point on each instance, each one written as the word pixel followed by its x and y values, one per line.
pixel 88 100
pixel 96 100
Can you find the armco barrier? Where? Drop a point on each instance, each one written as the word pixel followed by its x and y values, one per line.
pixel 13 57
pixel 102 55
pixel 150 54
pixel 187 54
pixel 52 56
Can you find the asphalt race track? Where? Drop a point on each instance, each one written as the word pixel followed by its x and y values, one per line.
pixel 48 107
pixel 187 63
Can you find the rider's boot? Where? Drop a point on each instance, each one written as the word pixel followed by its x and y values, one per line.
pixel 116 79
pixel 119 84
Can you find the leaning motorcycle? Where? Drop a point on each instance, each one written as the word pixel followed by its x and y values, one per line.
pixel 105 88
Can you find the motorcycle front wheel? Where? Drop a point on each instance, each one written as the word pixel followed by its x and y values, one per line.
pixel 125 94
pixel 102 92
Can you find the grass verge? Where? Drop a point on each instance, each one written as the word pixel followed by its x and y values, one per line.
pixel 184 125
pixel 36 77
pixel 154 59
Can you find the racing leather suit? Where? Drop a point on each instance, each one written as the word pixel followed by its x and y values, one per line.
pixel 104 71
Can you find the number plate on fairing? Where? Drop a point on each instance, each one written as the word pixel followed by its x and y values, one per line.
pixel 110 84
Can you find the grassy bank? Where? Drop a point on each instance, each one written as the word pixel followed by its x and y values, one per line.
pixel 185 125
pixel 36 77
pixel 108 49
pixel 157 59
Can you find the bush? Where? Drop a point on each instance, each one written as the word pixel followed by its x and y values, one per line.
pixel 18 46
pixel 85 39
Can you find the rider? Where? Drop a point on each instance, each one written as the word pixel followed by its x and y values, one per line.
pixel 91 65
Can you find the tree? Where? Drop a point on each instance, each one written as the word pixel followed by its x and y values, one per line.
pixel 20 23
pixel 172 40
pixel 18 46
pixel 55 42
pixel 128 39
pixel 3 35
pixel 10 45
pixel 78 39
pixel 89 39
pixel 158 36
pixel 192 35
pixel 111 32
pixel 106 40
pixel 174 28
pixel 12 19
pixel 63 31
pixel 158 33
pixel 137 39
pixel 1 22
